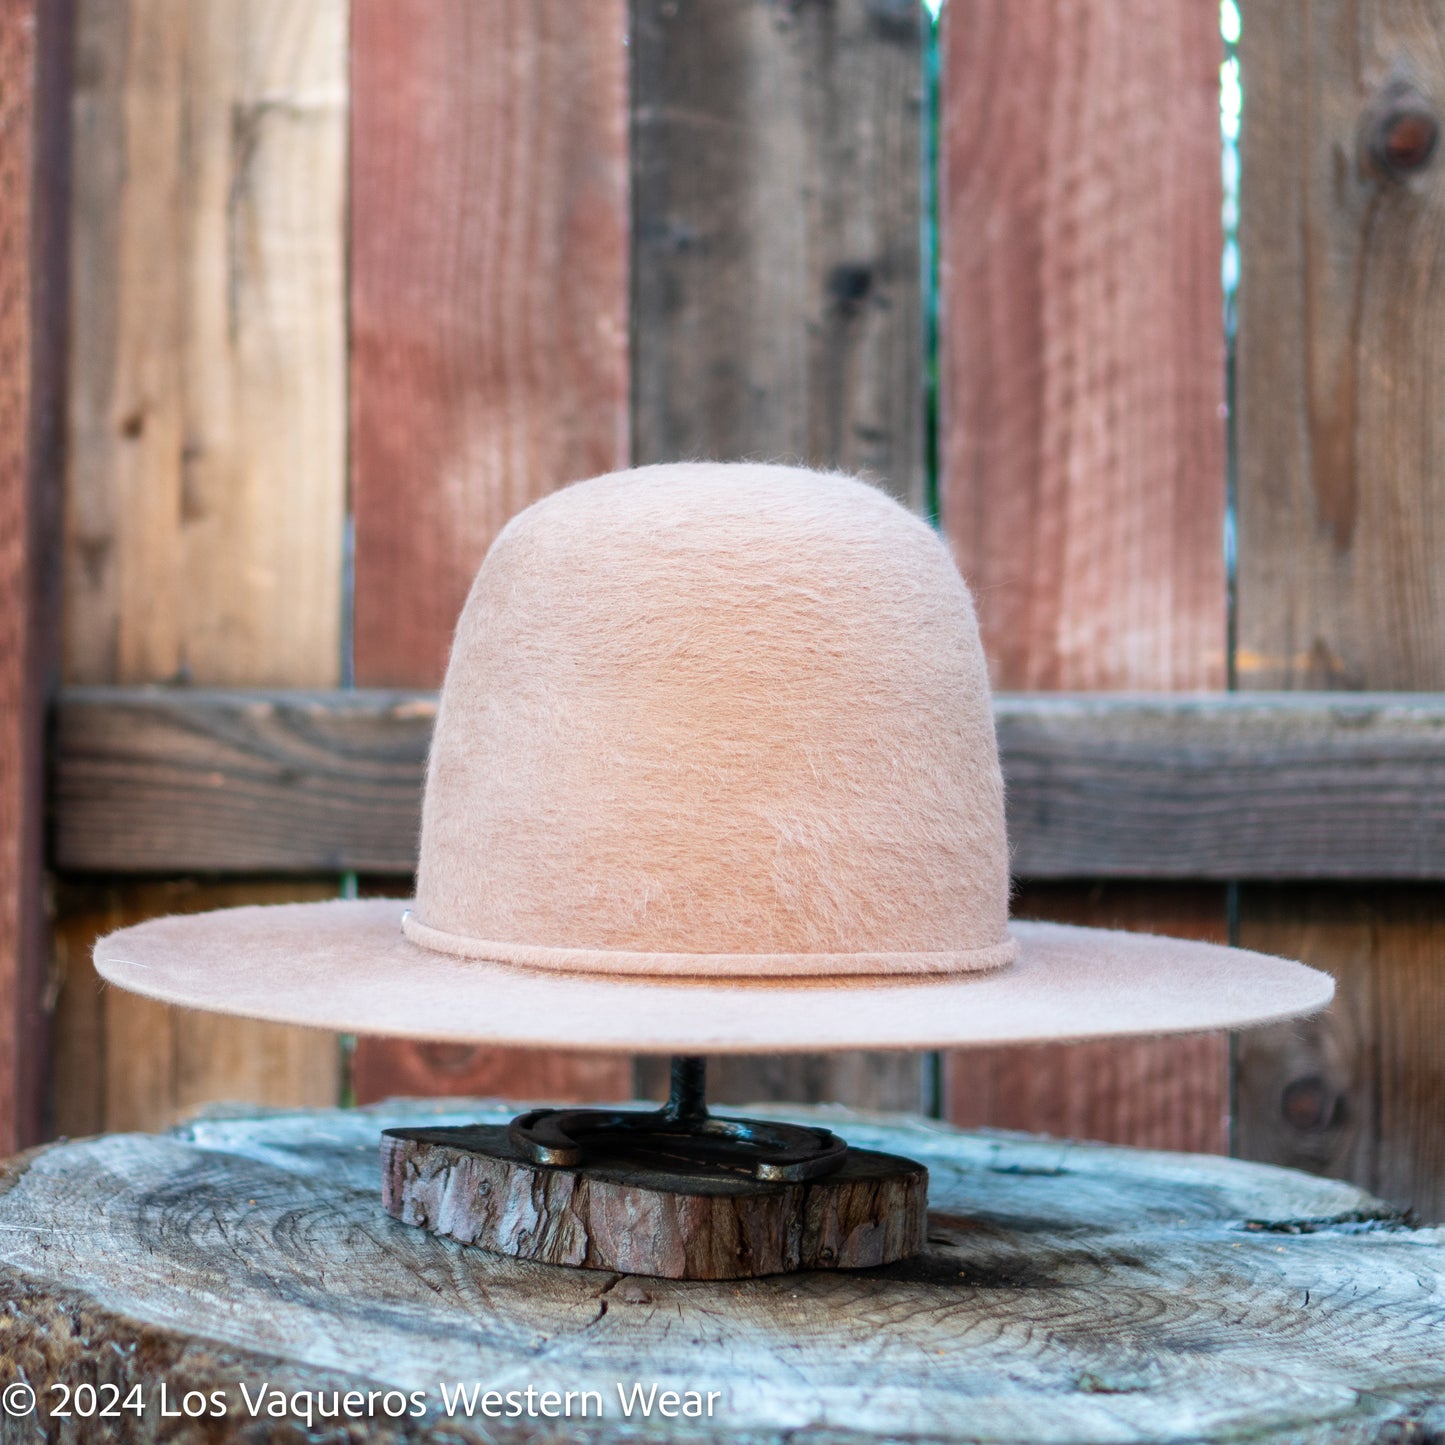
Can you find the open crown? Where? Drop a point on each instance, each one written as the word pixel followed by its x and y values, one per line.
pixel 706 719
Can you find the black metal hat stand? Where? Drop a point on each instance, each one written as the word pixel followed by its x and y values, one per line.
pixel 674 1192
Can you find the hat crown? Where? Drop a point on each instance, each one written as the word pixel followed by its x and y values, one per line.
pixel 731 716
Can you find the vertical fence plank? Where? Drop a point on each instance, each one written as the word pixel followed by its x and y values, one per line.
pixel 207 435
pixel 1160 1094
pixel 777 312
pixel 206 479
pixel 489 350
pixel 1082 444
pixel 778 163
pixel 489 295
pixel 1341 579
pixel 34 159
pixel 21 1023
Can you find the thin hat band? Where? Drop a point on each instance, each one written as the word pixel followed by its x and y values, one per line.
pixel 710 965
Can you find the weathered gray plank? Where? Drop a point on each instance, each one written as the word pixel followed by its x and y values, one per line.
pixel 1282 785
pixel 150 780
pixel 1270 786
pixel 1067 1293
pixel 1341 513
pixel 777 269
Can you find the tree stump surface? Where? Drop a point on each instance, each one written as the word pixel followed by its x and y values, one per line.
pixel 1067 1292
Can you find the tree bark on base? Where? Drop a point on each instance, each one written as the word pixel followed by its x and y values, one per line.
pixel 471 1185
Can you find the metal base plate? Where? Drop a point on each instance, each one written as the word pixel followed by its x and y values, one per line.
pixel 661 1139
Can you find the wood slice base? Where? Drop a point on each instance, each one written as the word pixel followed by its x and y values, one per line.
pixel 472 1185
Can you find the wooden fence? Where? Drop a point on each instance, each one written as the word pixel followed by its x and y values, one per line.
pixel 348 284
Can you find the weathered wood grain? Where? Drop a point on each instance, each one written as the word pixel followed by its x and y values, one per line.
pixel 777 281
pixel 34 161
pixel 205 488
pixel 1067 1292
pixel 205 491
pixel 489 292
pixel 777 153
pixel 1081 396
pixel 1341 380
pixel 471 1185
pixel 1081 347
pixel 1098 1090
pixel 1355 1094
pixel 124 1062
pixel 19 764
pixel 408 1069
pixel 1285 785
pixel 78 1043
pixel 1341 561
pixel 1271 785
pixel 221 781
pixel 489 330
pixel 888 1080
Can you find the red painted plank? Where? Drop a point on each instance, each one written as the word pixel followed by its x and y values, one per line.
pixel 34 76
pixel 489 312
pixel 1158 1094
pixel 392 1068
pixel 1083 439
pixel 489 292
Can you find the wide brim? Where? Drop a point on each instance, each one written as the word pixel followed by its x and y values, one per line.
pixel 347 966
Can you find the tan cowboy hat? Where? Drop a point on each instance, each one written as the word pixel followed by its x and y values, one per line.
pixel 714 770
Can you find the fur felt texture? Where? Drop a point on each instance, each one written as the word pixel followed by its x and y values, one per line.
pixel 726 729
pixel 716 719
pixel 346 965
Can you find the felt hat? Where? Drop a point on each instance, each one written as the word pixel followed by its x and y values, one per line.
pixel 714 770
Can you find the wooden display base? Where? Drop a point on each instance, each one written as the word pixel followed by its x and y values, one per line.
pixel 473 1185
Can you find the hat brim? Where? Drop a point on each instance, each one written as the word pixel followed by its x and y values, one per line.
pixel 347 966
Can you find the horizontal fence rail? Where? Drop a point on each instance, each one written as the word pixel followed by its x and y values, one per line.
pixel 1259 785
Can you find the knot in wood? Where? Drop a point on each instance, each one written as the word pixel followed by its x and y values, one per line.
pixel 1402 131
pixel 1311 1105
